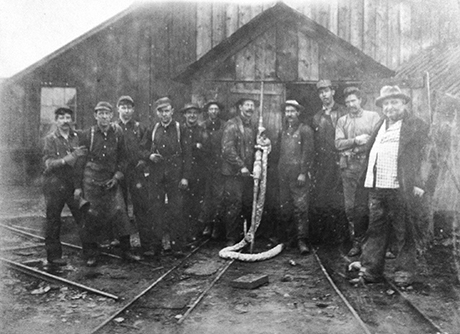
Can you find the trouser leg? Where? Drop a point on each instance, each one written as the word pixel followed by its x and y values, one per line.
pixel 178 230
pixel 233 197
pixel 300 200
pixel 54 206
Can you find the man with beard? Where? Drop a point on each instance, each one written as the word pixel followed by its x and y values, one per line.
pixel 328 202
pixel 134 184
pixel 169 162
pixel 214 183
pixel 296 158
pixel 238 140
pixel 351 135
pixel 101 172
pixel 394 178
pixel 196 139
pixel 60 153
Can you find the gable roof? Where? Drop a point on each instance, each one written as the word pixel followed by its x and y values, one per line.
pixel 281 13
pixel 442 64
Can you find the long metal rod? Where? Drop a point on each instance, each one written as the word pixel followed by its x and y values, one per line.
pixel 44 275
pixel 15 229
pixel 151 286
pixel 6 249
pixel 201 296
pixel 331 282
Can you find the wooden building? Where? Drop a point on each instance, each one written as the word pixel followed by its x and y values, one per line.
pixel 156 49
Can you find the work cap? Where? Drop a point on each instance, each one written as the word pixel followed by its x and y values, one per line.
pixel 294 104
pixel 61 110
pixel 210 102
pixel 162 102
pixel 244 99
pixel 189 106
pixel 125 98
pixel 391 92
pixel 102 105
pixel 323 84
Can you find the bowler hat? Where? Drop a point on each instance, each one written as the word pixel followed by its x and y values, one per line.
pixel 125 98
pixel 102 105
pixel 294 104
pixel 210 102
pixel 391 92
pixel 244 99
pixel 61 110
pixel 324 84
pixel 162 102
pixel 189 106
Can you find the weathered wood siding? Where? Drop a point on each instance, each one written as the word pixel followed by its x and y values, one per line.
pixel 389 31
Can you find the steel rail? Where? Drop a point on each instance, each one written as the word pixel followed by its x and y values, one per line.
pixel 205 291
pixel 46 276
pixel 147 289
pixel 7 249
pixel 337 290
pixel 19 231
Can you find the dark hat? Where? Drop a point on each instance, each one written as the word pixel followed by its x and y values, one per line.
pixel 162 102
pixel 61 110
pixel 294 104
pixel 125 98
pixel 102 105
pixel 391 92
pixel 244 99
pixel 189 106
pixel 220 105
pixel 324 84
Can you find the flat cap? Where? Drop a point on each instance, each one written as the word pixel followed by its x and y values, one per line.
pixel 323 84
pixel 189 106
pixel 125 98
pixel 102 105
pixel 63 110
pixel 162 102
pixel 294 104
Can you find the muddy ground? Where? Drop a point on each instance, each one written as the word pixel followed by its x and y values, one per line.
pixel 297 298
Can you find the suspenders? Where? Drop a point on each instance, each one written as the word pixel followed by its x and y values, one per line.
pixel 157 125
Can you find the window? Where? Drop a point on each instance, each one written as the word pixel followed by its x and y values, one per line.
pixel 51 98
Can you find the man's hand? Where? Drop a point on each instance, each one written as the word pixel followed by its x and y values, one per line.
pixel 199 146
pixel 156 157
pixel 111 183
pixel 77 194
pixel 245 172
pixel 183 184
pixel 301 180
pixel 362 139
pixel 56 163
pixel 80 151
pixel 418 192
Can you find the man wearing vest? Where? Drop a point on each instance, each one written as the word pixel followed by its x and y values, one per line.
pixel 169 162
pixel 238 142
pixel 196 139
pixel 134 184
pixel 100 173
pixel 394 178
pixel 351 135
pixel 60 153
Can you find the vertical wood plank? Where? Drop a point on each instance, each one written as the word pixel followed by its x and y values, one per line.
pixel 333 16
pixel 244 14
pixel 204 39
pixel 381 38
pixel 231 18
pixel 265 55
pixel 286 53
pixel 218 23
pixel 369 32
pixel 394 33
pixel 308 58
pixel 405 25
pixel 344 20
pixel 245 63
pixel 322 13
pixel 356 23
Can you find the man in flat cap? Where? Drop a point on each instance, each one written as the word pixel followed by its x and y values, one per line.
pixel 238 140
pixel 396 187
pixel 294 167
pixel 61 151
pixel 351 135
pixel 134 184
pixel 169 160
pixel 327 200
pixel 196 139
pixel 101 171
pixel 214 125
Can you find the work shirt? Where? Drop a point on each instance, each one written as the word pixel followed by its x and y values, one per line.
pixel 196 138
pixel 352 125
pixel 214 130
pixel 382 171
pixel 57 147
pixel 296 149
pixel 133 132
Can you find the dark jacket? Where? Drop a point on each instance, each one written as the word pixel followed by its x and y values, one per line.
pixel 238 140
pixel 196 138
pixel 412 141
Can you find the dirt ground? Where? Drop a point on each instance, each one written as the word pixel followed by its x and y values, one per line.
pixel 297 298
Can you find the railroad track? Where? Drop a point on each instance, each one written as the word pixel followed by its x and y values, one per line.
pixel 379 308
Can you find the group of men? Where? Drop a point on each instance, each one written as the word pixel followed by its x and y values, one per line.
pixel 190 179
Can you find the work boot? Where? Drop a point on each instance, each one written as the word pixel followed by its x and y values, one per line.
pixel 303 248
pixel 355 250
